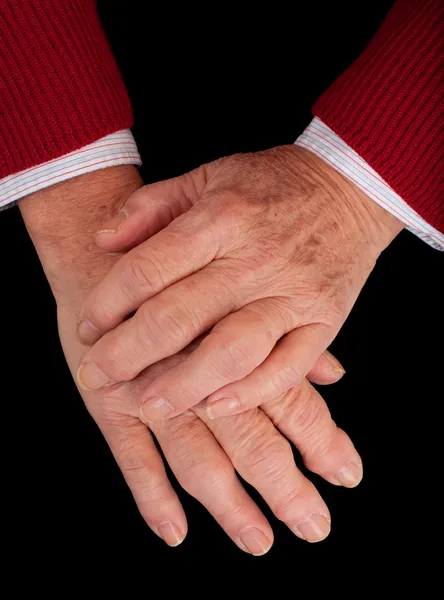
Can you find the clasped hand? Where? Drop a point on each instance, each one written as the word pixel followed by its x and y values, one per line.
pixel 265 254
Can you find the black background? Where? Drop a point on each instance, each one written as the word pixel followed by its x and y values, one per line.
pixel 205 83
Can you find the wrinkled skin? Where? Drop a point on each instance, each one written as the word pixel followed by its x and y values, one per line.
pixel 203 454
pixel 268 250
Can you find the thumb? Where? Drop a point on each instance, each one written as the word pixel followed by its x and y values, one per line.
pixel 150 209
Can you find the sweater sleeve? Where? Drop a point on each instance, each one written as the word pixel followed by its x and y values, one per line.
pixel 388 106
pixel 60 88
pixel 118 148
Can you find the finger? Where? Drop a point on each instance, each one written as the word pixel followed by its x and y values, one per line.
pixel 204 471
pixel 303 416
pixel 326 370
pixel 186 245
pixel 264 458
pixel 286 366
pixel 142 467
pixel 160 328
pixel 230 352
pixel 148 210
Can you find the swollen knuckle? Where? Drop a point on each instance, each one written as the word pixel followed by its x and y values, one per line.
pixel 284 508
pixel 200 479
pixel 180 325
pixel 303 414
pixel 288 375
pixel 199 475
pixel 133 465
pixel 191 472
pixel 117 362
pixel 290 408
pixel 313 424
pixel 186 435
pixel 231 513
pixel 277 408
pixel 232 360
pixel 165 325
pixel 150 484
pixel 267 456
pixel 321 442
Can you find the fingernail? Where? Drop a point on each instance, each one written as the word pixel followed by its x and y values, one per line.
pixel 90 377
pixel 87 333
pixel 155 408
pixel 113 224
pixel 222 407
pixel 313 529
pixel 170 534
pixel 335 365
pixel 350 475
pixel 255 541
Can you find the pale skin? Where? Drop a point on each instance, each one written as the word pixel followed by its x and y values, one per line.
pixel 203 453
pixel 268 251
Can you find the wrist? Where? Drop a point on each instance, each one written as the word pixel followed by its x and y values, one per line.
pixel 375 226
pixel 61 221
pixel 380 226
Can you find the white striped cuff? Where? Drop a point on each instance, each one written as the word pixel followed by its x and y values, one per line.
pixel 322 141
pixel 116 149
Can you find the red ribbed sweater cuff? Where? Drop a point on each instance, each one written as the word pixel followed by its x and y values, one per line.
pixel 60 88
pixel 388 106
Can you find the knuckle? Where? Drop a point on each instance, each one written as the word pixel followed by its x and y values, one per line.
pixel 288 375
pixel 118 360
pixel 110 359
pixel 150 483
pixel 339 308
pixel 110 406
pixel 284 509
pixel 321 444
pixel 228 512
pixel 202 477
pixel 284 407
pixel 199 475
pixel 197 472
pixel 228 205
pixel 99 310
pixel 184 432
pixel 141 276
pixel 232 360
pixel 139 200
pixel 328 307
pixel 277 408
pixel 268 456
pixel 303 413
pixel 165 325
pixel 310 418
pixel 132 464
pixel 275 310
pixel 227 213
pixel 193 465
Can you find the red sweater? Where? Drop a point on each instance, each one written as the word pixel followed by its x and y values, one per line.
pixel 60 89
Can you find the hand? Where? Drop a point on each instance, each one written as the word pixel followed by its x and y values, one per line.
pixel 60 221
pixel 204 455
pixel 270 250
